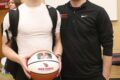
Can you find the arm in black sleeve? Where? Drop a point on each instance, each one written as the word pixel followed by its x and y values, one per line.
pixel 105 32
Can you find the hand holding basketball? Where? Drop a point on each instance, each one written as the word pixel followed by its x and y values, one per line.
pixel 60 64
pixel 22 62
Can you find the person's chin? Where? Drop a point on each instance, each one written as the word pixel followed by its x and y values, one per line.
pixel 33 4
pixel 12 7
pixel 75 0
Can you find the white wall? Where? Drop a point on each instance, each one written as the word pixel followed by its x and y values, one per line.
pixel 109 5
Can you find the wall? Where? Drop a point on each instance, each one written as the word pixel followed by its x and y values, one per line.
pixel 116 27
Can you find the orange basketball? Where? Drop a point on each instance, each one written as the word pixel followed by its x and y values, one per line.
pixel 43 65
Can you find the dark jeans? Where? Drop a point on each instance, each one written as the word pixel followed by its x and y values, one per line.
pixel 95 78
pixel 20 74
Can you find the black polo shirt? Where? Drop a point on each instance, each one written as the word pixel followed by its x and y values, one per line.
pixel 84 30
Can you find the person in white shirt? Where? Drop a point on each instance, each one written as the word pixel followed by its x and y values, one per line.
pixel 34 33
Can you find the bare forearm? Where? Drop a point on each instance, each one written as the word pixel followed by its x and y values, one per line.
pixel 58 45
pixel 107 64
pixel 10 54
pixel 58 48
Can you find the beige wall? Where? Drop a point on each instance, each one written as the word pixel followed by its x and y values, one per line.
pixel 116 27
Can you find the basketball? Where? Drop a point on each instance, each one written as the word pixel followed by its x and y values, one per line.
pixel 43 65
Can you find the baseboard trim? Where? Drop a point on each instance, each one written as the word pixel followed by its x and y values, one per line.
pixel 115 79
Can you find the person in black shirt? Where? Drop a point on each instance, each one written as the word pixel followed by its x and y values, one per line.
pixel 85 28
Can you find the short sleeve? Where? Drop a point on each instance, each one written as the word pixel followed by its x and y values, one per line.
pixel 58 23
pixel 6 26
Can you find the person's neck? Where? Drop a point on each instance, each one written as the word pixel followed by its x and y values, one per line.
pixel 78 3
pixel 33 4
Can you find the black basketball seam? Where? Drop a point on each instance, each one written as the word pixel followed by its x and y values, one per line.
pixel 41 61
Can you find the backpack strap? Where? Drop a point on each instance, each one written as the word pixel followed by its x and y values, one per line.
pixel 10 66
pixel 53 14
pixel 13 20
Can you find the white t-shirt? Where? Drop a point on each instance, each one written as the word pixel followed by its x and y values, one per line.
pixel 34 29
